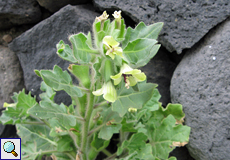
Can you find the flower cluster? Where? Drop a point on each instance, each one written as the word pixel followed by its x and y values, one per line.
pixel 129 75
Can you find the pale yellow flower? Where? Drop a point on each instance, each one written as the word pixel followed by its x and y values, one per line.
pixel 112 47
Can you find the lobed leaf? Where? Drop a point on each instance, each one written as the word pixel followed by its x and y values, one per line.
pixel 48 92
pixel 65 52
pixel 111 121
pixel 81 50
pixel 49 109
pixel 65 143
pixel 140 51
pixel 29 151
pixel 99 144
pixel 163 132
pixel 18 112
pixel 128 98
pixel 59 80
pixel 82 74
pixel 142 31
pixel 38 134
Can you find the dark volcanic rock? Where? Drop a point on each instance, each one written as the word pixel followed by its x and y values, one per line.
pixel 160 70
pixel 185 21
pixel 201 83
pixel 11 78
pixel 15 12
pixel 36 48
pixel 54 5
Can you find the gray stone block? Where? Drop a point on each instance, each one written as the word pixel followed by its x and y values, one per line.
pixel 185 21
pixel 18 12
pixel 36 48
pixel 11 78
pixel 55 5
pixel 201 83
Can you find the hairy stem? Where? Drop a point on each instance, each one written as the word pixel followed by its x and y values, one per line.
pixel 85 127
pixel 95 129
pixel 85 130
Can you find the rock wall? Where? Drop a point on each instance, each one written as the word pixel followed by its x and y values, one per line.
pixel 192 67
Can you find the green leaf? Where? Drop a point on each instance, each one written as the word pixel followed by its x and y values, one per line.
pixel 61 156
pixel 65 143
pixel 140 51
pixel 135 143
pixel 29 151
pixel 25 102
pixel 121 35
pixel 37 133
pixel 82 74
pixel 142 31
pixel 49 109
pixel 81 50
pixel 175 110
pixel 163 131
pixel 57 129
pixel 111 121
pixel 18 112
pixel 99 144
pixel 48 92
pixel 145 153
pixel 106 132
pixel 89 41
pixel 59 80
pixel 128 98
pixel 65 52
pixel 128 126
pixel 153 103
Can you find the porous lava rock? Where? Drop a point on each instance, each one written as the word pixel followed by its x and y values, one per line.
pixel 185 21
pixel 18 12
pixel 201 83
pixel 36 48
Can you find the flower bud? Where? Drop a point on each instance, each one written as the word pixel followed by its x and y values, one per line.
pixel 132 110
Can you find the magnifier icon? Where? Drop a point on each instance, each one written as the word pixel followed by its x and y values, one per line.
pixel 9 147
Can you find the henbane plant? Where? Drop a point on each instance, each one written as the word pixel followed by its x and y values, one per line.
pixel 112 97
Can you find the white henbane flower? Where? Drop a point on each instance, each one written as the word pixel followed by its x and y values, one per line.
pixel 131 76
pixel 112 47
pixel 108 91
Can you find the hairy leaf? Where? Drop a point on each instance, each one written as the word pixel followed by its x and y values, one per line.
pixel 65 143
pixel 140 51
pixel 142 31
pixel 48 92
pixel 163 131
pixel 18 111
pixel 82 74
pixel 153 103
pixel 111 121
pixel 99 144
pixel 59 80
pixel 65 52
pixel 128 98
pixel 29 150
pixel 38 134
pixel 49 109
pixel 81 50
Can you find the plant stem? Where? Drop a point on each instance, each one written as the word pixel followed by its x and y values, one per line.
pixel 86 126
pixel 34 123
pixel 111 157
pixel 100 104
pixel 106 152
pixel 79 118
pixel 95 129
